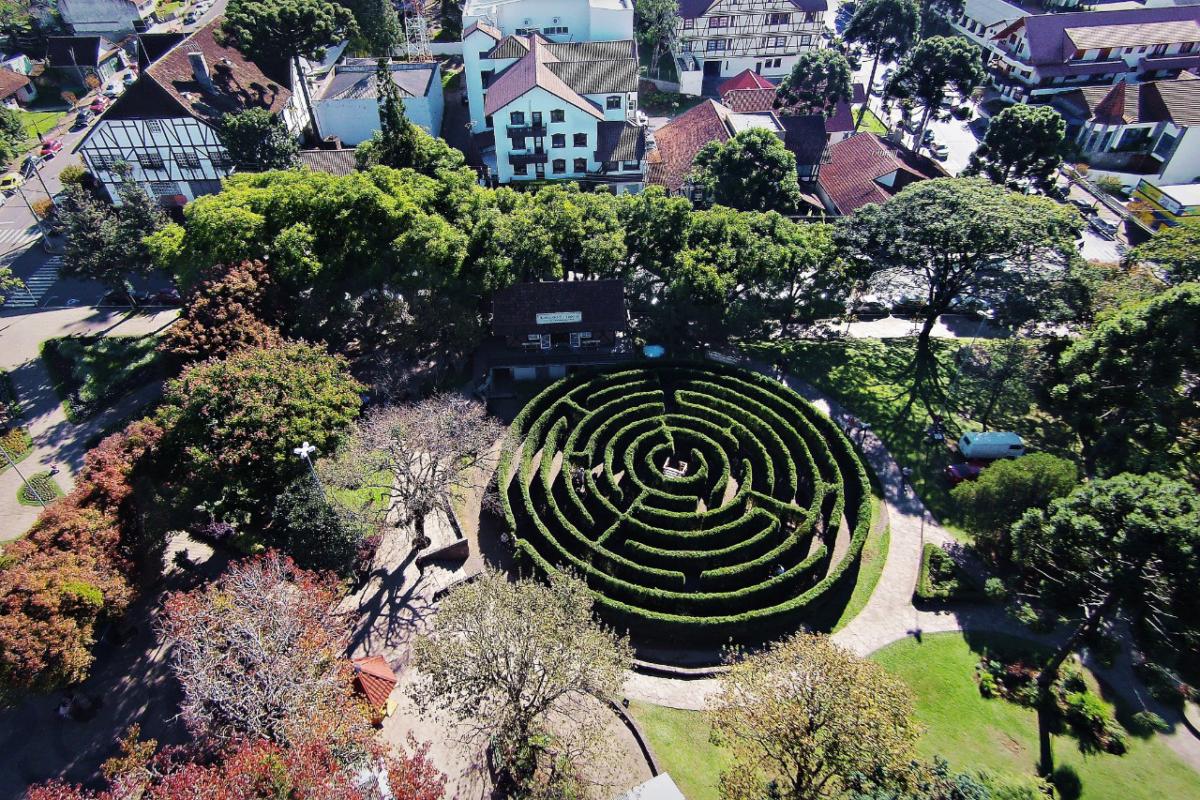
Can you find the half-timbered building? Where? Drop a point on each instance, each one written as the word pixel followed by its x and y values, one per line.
pixel 164 127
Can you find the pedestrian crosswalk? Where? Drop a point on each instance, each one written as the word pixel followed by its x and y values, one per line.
pixel 15 238
pixel 36 285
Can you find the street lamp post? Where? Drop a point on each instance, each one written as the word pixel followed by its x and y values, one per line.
pixel 36 494
pixel 305 452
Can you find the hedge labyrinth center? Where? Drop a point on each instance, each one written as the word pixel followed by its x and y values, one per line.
pixel 699 502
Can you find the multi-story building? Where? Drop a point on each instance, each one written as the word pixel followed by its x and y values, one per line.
pixel 347 99
pixel 111 17
pixel 558 21
pixel 555 110
pixel 164 127
pixel 1044 54
pixel 716 39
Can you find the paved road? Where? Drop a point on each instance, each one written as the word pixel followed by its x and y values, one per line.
pixel 57 441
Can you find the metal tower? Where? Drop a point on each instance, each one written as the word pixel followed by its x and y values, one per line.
pixel 416 32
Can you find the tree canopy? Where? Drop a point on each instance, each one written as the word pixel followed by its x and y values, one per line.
pixel 1023 145
pixel 886 29
pixel 1128 386
pixel 1009 487
pixel 1175 249
pixel 257 140
pixel 936 64
pixel 753 171
pixel 819 80
pixel 655 22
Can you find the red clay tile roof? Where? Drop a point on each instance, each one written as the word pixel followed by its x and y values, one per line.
pixel 746 79
pixel 680 139
pixel 843 118
pixel 375 679
pixel 10 82
pixel 747 101
pixel 851 177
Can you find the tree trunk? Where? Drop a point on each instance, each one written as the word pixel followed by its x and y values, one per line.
pixel 655 54
pixel 867 101
pixel 920 134
pixel 312 112
pixel 1050 670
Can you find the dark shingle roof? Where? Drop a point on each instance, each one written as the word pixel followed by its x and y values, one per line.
pixel 77 51
pixel 805 137
pixel 598 77
pixel 601 305
pixel 620 141
pixel 567 71
pixel 355 80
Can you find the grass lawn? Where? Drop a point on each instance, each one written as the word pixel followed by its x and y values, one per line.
pixel 679 740
pixel 871 122
pixel 974 732
pixel 44 484
pixel 369 499
pixel 869 376
pixel 43 121
pixel 666 65
pixel 90 373
pixel 874 555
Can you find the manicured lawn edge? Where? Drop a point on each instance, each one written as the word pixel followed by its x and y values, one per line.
pixel 874 556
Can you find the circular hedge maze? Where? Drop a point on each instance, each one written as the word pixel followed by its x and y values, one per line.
pixel 698 502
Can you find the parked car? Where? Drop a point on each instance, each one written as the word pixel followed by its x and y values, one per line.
pixel 1103 227
pixel 50 147
pixel 907 306
pixel 112 92
pixel 119 297
pixel 190 18
pixel 990 445
pixel 99 104
pixel 11 182
pixel 30 165
pixel 871 309
pixel 963 471
pixel 166 297
pixel 83 118
pixel 1086 207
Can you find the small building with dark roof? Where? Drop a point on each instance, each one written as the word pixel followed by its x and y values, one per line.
pixel 347 101
pixel 335 162
pixel 543 329
pixel 77 57
pixel 164 126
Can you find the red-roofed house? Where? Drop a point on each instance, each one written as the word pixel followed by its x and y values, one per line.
pixel 564 110
pixel 866 169
pixel 374 680
pixel 15 88
pixel 746 79
pixel 721 38
pixel 165 125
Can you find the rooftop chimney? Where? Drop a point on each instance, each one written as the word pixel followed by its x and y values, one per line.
pixel 200 70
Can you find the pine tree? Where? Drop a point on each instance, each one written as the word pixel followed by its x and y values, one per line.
pixel 398 138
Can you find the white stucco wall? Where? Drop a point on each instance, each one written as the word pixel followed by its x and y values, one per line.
pixel 1184 166
pixel 353 121
pixel 585 20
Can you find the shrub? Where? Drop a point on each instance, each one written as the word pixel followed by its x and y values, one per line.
pixel 1147 723
pixel 685 556
pixel 305 526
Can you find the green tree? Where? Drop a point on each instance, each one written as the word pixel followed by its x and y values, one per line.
pixel 953 238
pixel 231 424
pixel 1130 542
pixel 753 171
pixel 885 29
pixel 1175 249
pixel 1023 145
pixel 655 24
pixel 108 243
pixel 306 526
pixel 583 231
pixel 378 23
pixel 819 81
pixel 936 14
pixel 933 66
pixel 12 133
pixel 395 143
pixel 806 720
pixel 1128 386
pixel 257 140
pixel 9 284
pixel 1008 488
pixel 288 30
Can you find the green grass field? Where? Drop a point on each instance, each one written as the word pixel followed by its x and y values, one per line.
pixel 680 742
pixel 43 121
pixel 874 555
pixel 871 123
pixel 974 732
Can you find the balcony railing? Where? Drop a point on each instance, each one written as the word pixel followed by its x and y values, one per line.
pixel 526 129
pixel 518 159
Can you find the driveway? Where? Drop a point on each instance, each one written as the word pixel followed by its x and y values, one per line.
pixel 56 440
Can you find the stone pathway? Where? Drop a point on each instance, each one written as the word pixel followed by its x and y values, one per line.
pixel 890 615
pixel 55 439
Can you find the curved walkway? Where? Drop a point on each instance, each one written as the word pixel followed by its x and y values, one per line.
pixel 890 615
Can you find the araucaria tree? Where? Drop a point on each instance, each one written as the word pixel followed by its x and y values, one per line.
pixel 378 23
pixel 953 238
pixel 1022 146
pixel 807 720
pixel 656 20
pixel 885 29
pixel 288 30
pixel 259 655
pixel 505 655
pixel 753 171
pixel 933 66
pixel 1129 386
pixel 819 81
pixel 419 454
pixel 1131 542
pixel 257 140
